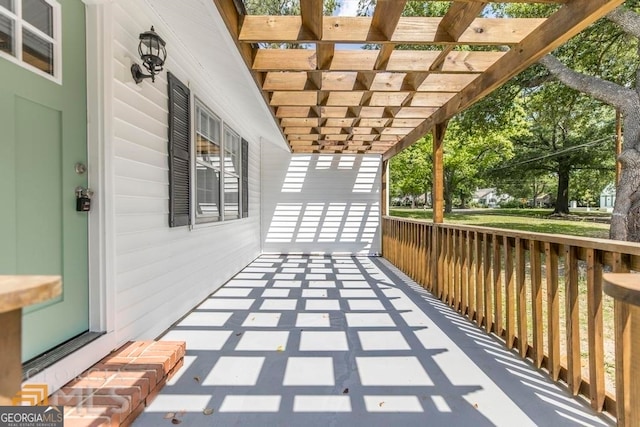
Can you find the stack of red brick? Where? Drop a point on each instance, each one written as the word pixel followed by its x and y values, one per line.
pixel 117 389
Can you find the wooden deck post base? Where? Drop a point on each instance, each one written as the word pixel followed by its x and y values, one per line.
pixel 625 289
pixel 17 292
pixel 10 356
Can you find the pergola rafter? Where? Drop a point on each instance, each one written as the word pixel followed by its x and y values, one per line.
pixel 327 98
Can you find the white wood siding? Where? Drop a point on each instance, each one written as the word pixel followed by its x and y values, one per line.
pixel 320 203
pixel 163 272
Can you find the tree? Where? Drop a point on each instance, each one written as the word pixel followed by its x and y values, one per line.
pixel 284 7
pixel 568 132
pixel 603 62
pixel 469 155
pixel 411 171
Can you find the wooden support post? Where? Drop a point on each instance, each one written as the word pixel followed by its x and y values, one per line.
pixel 10 372
pixel 437 198
pixel 625 289
pixel 437 195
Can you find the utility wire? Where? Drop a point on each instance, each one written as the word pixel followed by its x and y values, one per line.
pixel 555 153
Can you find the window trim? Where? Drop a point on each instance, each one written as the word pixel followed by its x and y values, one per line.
pixel 204 218
pixel 237 174
pixel 200 219
pixel 56 40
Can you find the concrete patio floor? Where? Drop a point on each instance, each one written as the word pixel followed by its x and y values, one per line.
pixel 347 341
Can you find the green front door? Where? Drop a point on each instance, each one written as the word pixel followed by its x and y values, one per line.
pixel 42 138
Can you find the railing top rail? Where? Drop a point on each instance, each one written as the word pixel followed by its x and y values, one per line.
pixel 561 239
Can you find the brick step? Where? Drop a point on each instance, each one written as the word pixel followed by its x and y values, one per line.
pixel 116 390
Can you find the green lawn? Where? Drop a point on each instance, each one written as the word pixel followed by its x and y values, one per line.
pixel 514 219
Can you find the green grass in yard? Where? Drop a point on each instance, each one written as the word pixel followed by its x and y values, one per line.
pixel 492 218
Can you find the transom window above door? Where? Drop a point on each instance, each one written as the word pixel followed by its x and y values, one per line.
pixel 30 35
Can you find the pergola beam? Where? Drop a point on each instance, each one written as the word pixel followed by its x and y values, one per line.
pixel 311 14
pixel 556 30
pixel 331 99
pixel 458 18
pixel 386 16
pixel 404 61
pixel 361 30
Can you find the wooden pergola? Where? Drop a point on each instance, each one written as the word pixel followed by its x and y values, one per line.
pixel 330 99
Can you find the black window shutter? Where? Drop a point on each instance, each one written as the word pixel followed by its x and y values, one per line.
pixel 245 178
pixel 179 153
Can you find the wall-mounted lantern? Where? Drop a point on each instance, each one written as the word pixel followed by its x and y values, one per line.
pixel 153 54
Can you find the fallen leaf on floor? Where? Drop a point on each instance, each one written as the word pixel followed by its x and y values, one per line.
pixel 208 411
pixel 345 391
pixel 196 379
pixel 280 348
pixel 175 421
pixel 169 415
pixel 475 405
pixel 380 404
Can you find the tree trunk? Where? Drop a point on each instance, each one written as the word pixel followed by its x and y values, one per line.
pixel 625 220
pixel 448 205
pixel 448 197
pixel 562 198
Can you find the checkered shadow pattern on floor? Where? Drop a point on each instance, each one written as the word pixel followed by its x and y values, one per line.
pixel 346 341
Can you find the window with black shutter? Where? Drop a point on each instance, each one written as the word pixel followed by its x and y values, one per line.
pixel 179 153
pixel 245 178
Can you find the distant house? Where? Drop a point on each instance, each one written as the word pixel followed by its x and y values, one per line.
pixel 543 200
pixel 608 197
pixel 489 197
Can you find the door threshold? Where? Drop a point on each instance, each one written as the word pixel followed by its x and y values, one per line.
pixel 39 363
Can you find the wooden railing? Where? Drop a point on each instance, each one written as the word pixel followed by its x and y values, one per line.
pixel 541 293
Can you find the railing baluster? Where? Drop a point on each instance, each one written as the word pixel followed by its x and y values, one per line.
pixel 442 257
pixel 510 293
pixel 574 374
pixel 488 281
pixel 416 253
pixel 553 309
pixel 464 285
pixel 446 266
pixel 427 260
pixel 536 302
pixel 594 323
pixel 458 268
pixel 497 284
pixel 479 281
pixel 435 260
pixel 521 307
pixel 472 277
pixel 452 270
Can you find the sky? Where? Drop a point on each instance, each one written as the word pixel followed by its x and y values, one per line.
pixel 347 8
